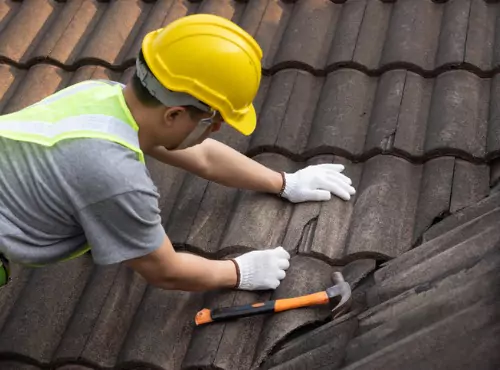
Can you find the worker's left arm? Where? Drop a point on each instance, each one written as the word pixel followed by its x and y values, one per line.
pixel 217 162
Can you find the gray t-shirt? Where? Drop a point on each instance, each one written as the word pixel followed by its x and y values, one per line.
pixel 53 200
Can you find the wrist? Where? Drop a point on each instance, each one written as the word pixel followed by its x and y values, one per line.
pixel 228 274
pixel 279 183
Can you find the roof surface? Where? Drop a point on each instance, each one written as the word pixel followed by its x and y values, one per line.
pixel 404 93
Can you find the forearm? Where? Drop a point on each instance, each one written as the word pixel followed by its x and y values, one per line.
pixel 228 167
pixel 195 273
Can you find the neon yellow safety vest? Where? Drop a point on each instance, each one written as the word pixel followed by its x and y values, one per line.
pixel 90 109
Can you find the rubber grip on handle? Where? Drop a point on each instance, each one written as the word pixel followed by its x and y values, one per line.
pixel 304 301
pixel 206 316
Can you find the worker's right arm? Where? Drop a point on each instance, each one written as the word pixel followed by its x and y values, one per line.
pixel 127 228
pixel 171 270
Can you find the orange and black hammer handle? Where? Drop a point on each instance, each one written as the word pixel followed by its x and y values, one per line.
pixel 206 316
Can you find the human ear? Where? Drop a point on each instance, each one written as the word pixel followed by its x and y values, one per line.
pixel 170 115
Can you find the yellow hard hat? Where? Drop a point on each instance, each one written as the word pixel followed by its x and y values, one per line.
pixel 212 59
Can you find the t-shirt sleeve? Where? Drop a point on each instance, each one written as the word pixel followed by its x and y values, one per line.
pixel 122 227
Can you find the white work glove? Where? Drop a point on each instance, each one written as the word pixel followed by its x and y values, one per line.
pixel 316 182
pixel 261 270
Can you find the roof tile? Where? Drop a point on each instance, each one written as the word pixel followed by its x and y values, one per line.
pixel 493 139
pixel 226 344
pixel 80 328
pixel 458 114
pixel 309 33
pixel 15 365
pixel 115 33
pixel 110 328
pixel 27 28
pixel 305 276
pixel 383 217
pixel 51 313
pixel 70 31
pixel 343 112
pixel 10 78
pixel 323 346
pixel 161 14
pixel 40 81
pixel 162 327
pixel 435 193
pixel 470 184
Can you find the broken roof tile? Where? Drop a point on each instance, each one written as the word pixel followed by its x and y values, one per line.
pixel 324 346
pixel 305 276
pixel 435 193
pixel 470 184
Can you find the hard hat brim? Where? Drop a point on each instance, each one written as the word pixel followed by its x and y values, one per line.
pixel 246 124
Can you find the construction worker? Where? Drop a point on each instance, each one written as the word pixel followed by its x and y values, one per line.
pixel 72 170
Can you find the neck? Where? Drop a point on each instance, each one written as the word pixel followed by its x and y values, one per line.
pixel 143 119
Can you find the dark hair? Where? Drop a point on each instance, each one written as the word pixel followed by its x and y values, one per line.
pixel 149 100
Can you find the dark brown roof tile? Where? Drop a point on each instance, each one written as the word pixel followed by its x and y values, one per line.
pixel 321 229
pixel 286 115
pixel 227 344
pixel 495 174
pixel 11 293
pixel 343 112
pixel 259 220
pixel 161 14
pixel 80 328
pixel 70 31
pixel 161 330
pixel 305 276
pixel 15 365
pixel 26 28
pixel 229 9
pixel 470 184
pixel 481 49
pixel 458 114
pixel 471 214
pixel 266 20
pixel 435 193
pixel 40 81
pixel 410 133
pixel 93 72
pixel 110 328
pixel 10 78
pixel 115 33
pixel 383 217
pixel 51 313
pixel 493 139
pixel 324 346
pixel 411 35
pixel 309 34
pixel 370 43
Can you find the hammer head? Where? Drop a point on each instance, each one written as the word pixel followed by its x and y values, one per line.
pixel 340 295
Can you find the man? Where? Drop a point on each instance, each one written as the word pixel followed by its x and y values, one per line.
pixel 72 165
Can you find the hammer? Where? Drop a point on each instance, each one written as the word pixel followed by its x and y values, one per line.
pixel 339 296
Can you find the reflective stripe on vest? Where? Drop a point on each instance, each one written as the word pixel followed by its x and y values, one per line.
pixel 90 109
